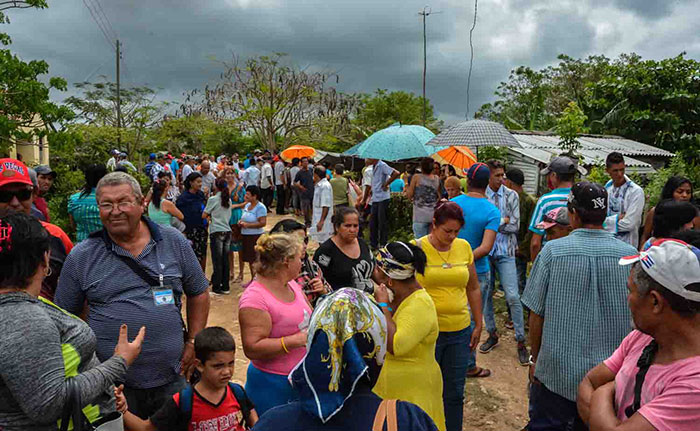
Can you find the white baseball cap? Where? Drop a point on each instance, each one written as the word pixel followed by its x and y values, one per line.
pixel 671 263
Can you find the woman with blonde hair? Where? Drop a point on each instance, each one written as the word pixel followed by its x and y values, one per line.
pixel 273 313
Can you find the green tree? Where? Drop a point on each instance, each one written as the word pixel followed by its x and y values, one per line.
pixel 26 112
pixel 569 126
pixel 271 98
pixel 383 108
pixel 197 133
pixel 140 112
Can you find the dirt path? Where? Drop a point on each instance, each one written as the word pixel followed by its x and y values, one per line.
pixel 497 403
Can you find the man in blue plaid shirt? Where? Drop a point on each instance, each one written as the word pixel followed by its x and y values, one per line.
pixel 577 294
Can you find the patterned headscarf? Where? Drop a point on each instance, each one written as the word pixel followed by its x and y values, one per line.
pixel 347 341
pixel 392 267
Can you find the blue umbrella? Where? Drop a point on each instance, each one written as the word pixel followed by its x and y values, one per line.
pixel 397 142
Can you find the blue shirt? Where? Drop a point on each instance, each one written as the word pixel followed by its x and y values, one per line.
pixel 380 175
pixel 579 288
pixel 246 164
pixel 555 199
pixel 86 214
pixel 252 216
pixel 396 186
pixel 174 166
pixel 479 215
pixel 93 271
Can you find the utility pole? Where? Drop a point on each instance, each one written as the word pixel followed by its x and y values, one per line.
pixel 425 13
pixel 119 107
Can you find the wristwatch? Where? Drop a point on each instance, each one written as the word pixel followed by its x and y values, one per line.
pixel 530 361
pixel 191 341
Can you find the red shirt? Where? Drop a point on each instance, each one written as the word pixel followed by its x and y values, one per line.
pixel 41 205
pixel 224 416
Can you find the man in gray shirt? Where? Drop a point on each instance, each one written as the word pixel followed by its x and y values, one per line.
pixel 135 272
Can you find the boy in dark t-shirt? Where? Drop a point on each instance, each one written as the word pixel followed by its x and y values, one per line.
pixel 211 403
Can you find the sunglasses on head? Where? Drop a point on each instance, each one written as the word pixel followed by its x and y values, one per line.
pixel 21 195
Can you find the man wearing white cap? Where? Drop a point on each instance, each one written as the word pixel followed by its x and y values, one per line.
pixel 652 381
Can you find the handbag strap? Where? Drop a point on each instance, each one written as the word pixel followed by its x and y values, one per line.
pixel 646 359
pixel 72 408
pixel 386 412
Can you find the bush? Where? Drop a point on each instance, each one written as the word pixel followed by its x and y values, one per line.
pixel 67 182
pixel 400 218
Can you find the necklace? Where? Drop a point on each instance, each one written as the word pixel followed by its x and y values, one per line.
pixel 446 264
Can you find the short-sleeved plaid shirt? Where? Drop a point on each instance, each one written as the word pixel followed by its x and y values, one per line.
pixel 579 288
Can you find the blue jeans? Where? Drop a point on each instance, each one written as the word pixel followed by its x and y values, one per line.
pixel 268 390
pixel 421 229
pixel 505 266
pixel 452 353
pixel 552 412
pixel 378 225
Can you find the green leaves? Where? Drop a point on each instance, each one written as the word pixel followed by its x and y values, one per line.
pixel 569 126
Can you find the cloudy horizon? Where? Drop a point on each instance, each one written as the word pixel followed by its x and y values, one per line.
pixel 173 45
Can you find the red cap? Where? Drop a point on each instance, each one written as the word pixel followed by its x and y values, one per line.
pixel 14 171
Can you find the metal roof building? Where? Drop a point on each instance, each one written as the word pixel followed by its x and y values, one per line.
pixel 538 148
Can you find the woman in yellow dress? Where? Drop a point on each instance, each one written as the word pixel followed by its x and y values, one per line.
pixel 410 371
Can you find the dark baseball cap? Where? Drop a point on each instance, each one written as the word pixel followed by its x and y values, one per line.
pixel 563 165
pixel 45 170
pixel 478 171
pixel 589 196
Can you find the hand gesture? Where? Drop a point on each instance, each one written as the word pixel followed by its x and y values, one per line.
pixel 319 227
pixel 122 406
pixel 381 293
pixel 125 349
pixel 316 285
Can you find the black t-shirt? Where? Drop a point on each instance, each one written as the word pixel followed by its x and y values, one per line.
pixel 340 271
pixel 306 178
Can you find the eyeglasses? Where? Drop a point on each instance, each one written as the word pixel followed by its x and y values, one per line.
pixel 21 195
pixel 108 207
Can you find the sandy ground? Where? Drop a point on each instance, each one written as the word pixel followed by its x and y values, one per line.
pixel 497 403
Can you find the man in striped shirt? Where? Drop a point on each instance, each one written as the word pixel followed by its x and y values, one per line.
pixel 560 175
pixel 502 261
pixel 578 288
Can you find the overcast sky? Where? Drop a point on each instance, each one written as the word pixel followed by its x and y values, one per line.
pixel 171 44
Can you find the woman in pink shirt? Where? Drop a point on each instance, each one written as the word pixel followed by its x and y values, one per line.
pixel 274 315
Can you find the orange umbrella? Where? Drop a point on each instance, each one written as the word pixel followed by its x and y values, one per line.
pixel 458 156
pixel 297 151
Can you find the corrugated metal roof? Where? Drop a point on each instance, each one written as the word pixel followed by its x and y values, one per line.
pixel 602 144
pixel 590 157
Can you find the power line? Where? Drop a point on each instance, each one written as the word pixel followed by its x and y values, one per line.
pixel 106 19
pixel 99 25
pixel 471 60
pixel 96 69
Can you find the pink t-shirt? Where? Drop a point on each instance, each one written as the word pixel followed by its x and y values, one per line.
pixel 286 317
pixel 670 394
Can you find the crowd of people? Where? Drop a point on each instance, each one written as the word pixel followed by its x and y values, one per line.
pixel 603 301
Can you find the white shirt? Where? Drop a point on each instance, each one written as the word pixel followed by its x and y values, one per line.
pixel 279 173
pixel 208 181
pixel 186 170
pixel 265 182
pixel 252 176
pixel 111 163
pixel 627 199
pixel 323 198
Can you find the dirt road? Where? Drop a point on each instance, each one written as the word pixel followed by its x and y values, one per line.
pixel 496 403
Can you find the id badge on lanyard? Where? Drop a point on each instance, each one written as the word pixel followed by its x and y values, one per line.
pixel 162 294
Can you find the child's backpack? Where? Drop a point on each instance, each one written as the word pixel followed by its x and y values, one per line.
pixel 187 395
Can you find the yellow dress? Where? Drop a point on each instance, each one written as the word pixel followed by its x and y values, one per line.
pixel 411 372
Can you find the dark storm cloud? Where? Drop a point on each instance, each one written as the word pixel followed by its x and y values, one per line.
pixel 171 44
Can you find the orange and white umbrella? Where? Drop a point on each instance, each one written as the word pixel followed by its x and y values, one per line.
pixel 458 156
pixel 297 151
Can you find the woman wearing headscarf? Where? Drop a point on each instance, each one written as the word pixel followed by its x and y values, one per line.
pixel 412 330
pixel 347 346
pixel 43 349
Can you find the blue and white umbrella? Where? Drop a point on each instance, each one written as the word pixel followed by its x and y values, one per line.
pixel 396 142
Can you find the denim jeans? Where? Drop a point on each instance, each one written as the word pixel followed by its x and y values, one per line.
pixel 378 226
pixel 505 266
pixel 145 402
pixel 421 229
pixel 452 353
pixel 220 245
pixel 552 412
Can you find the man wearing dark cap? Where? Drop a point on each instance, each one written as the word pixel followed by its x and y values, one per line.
pixel 45 176
pixel 560 173
pixel 577 286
